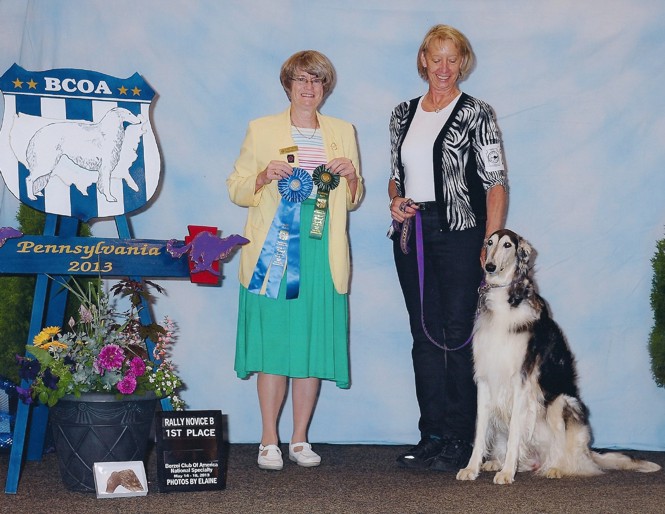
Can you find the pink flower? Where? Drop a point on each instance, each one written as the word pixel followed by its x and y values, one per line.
pixel 111 357
pixel 86 315
pixel 137 366
pixel 127 385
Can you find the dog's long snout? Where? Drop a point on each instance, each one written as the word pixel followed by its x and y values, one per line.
pixel 490 267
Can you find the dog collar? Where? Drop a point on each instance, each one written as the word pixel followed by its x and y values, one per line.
pixel 484 287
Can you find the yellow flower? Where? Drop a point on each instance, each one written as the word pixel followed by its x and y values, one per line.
pixel 45 335
pixel 52 331
pixel 54 344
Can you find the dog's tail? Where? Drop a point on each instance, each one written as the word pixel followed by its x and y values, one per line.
pixel 615 460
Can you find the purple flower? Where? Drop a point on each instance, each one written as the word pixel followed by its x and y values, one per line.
pixel 70 362
pixel 127 385
pixel 111 357
pixel 25 395
pixel 137 366
pixel 29 368
pixel 49 379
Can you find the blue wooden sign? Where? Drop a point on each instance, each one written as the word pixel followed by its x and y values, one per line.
pixel 104 257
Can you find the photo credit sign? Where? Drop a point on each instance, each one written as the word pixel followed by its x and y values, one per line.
pixel 190 451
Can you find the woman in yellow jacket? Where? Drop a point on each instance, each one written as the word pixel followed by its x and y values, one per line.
pixel 298 175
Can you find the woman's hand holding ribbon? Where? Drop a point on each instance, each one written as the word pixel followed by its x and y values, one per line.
pixel 276 170
pixel 343 167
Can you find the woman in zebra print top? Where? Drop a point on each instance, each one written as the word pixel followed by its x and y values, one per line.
pixel 447 166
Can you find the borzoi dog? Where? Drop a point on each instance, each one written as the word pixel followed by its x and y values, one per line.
pixel 92 146
pixel 530 415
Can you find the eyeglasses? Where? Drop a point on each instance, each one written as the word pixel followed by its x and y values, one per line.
pixel 304 80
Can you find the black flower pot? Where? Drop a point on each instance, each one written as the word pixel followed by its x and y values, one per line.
pixel 97 427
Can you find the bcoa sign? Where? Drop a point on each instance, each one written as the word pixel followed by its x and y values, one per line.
pixel 78 143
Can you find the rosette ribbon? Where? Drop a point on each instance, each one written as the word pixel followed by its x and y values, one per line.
pixel 282 246
pixel 325 182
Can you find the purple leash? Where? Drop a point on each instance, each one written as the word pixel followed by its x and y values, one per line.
pixel 420 255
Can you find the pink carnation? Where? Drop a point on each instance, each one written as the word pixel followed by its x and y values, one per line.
pixel 127 385
pixel 111 357
pixel 137 366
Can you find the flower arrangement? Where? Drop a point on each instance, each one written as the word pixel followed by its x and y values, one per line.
pixel 104 351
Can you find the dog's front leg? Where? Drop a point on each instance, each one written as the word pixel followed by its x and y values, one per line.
pixel 480 443
pixel 507 473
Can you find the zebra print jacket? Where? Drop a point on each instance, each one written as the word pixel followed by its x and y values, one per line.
pixel 468 160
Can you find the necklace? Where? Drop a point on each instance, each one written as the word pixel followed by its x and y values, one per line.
pixel 445 102
pixel 303 135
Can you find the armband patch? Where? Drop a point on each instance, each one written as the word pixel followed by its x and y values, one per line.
pixel 492 158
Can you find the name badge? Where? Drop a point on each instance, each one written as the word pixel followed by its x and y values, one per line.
pixel 288 149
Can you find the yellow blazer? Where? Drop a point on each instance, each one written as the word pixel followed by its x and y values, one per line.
pixel 264 139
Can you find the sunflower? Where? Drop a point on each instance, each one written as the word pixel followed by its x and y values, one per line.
pixel 53 344
pixel 45 336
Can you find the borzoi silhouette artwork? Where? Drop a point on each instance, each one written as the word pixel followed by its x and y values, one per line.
pixel 78 143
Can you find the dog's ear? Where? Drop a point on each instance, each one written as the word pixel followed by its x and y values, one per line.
pixel 521 287
pixel 523 255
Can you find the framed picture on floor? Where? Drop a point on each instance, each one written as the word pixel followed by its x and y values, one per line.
pixel 119 479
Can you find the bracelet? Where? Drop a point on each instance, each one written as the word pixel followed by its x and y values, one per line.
pixel 390 203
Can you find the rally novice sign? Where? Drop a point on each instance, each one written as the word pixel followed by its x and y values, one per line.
pixel 190 454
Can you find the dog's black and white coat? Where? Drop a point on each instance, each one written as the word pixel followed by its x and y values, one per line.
pixel 530 415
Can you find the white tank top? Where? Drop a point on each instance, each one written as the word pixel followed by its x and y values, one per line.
pixel 417 150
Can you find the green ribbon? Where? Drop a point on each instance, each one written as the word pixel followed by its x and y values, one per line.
pixel 325 182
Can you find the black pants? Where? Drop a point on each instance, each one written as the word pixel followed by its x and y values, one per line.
pixel 445 388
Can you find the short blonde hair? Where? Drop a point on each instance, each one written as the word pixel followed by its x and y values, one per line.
pixel 309 61
pixel 439 33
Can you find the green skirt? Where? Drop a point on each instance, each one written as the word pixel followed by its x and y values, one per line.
pixel 303 337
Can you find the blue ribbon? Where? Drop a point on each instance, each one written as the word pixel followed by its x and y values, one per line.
pixel 282 245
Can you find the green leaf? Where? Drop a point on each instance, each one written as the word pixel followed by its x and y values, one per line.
pixel 43 356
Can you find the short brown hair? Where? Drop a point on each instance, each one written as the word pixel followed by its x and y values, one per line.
pixel 309 61
pixel 440 33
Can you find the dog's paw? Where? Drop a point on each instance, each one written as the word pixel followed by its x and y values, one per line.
pixel 504 477
pixel 467 474
pixel 553 473
pixel 491 465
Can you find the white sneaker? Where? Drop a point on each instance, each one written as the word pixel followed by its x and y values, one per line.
pixel 302 454
pixel 270 457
